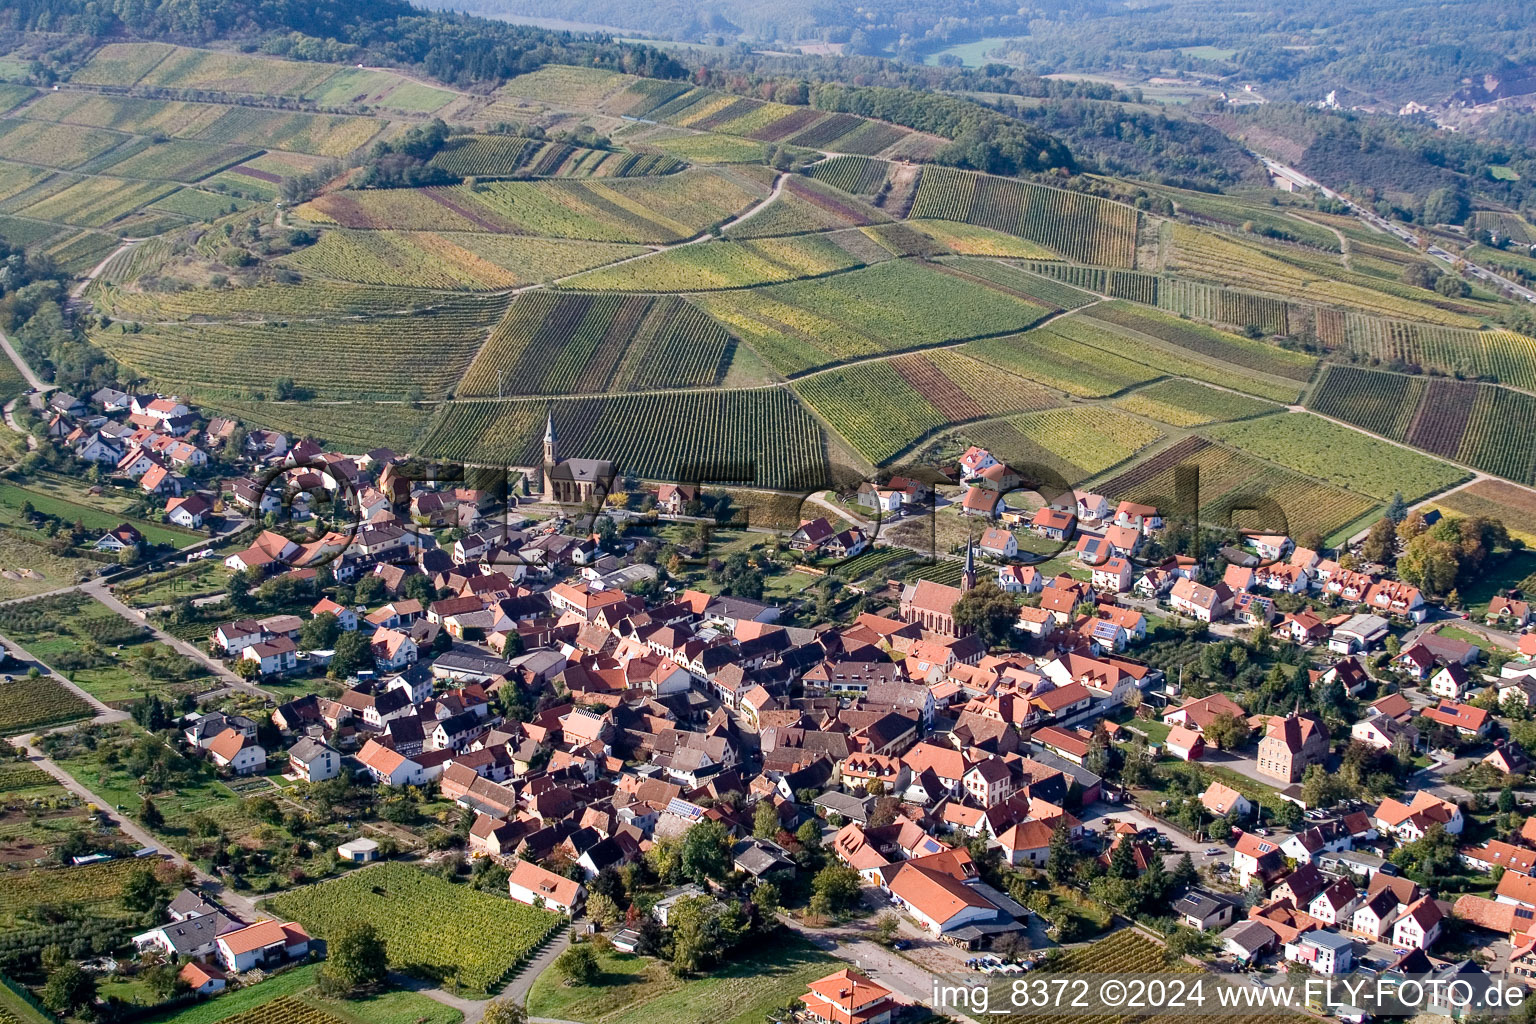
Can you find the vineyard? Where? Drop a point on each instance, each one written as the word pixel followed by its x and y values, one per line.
pixel 1384 404
pixel 1227 260
pixel 1514 506
pixel 31 703
pixel 1050 356
pixel 1234 489
pixel 1082 228
pixel 467 261
pixel 806 205
pixel 1090 440
pixel 379 358
pixel 1165 358
pixel 508 156
pixel 92 885
pixel 349 427
pixel 1183 403
pixel 1341 456
pixel 654 210
pixel 550 343
pixel 899 304
pixel 883 407
pixel 856 175
pixel 1467 422
pixel 34 142
pixel 180 160
pixel 1117 284
pixel 970 240
pixel 97 202
pixel 713 265
pixel 760 437
pixel 1208 341
pixel 1504 356
pixel 231 72
pixel 1011 277
pixel 428 924
pixel 1224 306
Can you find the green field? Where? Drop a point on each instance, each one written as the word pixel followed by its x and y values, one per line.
pixel 639 990
pixel 95 517
pixel 432 926
pixel 1340 456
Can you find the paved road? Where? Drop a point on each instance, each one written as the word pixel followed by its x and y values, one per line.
pixel 104 714
pixel 21 365
pixel 101 592
pixel 1399 231
pixel 238 904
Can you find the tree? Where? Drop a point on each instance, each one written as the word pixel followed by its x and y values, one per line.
pixel 602 909
pixel 352 654
pixel 1397 508
pixel 1184 873
pixel 765 820
pixel 356 958
pixel 1060 855
pixel 320 632
pixel 1227 731
pixel 69 989
pixel 141 891
pixel 885 928
pixel 837 886
pixel 1381 542
pixel 1506 800
pixel 706 852
pixel 988 611
pixel 768 901
pixel 163 982
pixel 150 816
pixel 578 964
pixel 1122 859
pixel 504 1011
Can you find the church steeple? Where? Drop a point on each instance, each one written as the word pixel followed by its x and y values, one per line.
pixel 968 574
pixel 549 455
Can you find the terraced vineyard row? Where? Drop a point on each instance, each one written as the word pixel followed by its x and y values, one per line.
pixel 807 205
pixel 1223 259
pixel 508 156
pixel 1209 342
pixel 856 175
pixel 1011 277
pixel 450 260
pixel 1184 403
pixel 1117 284
pixel 380 358
pixel 1230 488
pixel 551 343
pixel 308 300
pixel 884 407
pixel 1504 356
pixel 761 437
pixel 899 304
pixel 731 264
pixel 708 110
pixel 1224 306
pixel 1470 423
pixel 1081 227
pixel 651 210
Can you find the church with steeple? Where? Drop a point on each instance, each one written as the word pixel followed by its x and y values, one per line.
pixel 572 481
